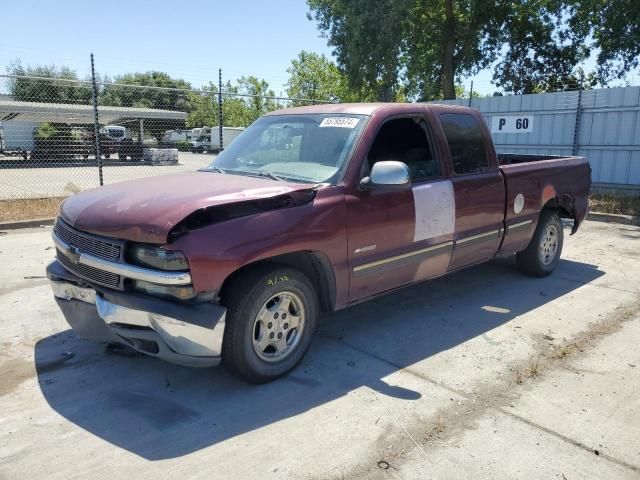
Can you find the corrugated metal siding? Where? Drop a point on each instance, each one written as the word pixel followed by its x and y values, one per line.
pixel 609 133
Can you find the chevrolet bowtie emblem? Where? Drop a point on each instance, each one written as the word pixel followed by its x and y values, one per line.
pixel 73 254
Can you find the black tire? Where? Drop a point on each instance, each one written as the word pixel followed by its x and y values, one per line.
pixel 244 299
pixel 539 259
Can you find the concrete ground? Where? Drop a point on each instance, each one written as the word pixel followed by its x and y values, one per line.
pixel 60 181
pixel 482 374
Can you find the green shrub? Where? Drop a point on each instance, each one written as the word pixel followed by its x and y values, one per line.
pixel 183 146
pixel 45 131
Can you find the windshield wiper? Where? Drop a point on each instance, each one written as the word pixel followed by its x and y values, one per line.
pixel 217 169
pixel 269 175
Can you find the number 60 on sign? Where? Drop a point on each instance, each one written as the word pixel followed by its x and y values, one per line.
pixel 512 124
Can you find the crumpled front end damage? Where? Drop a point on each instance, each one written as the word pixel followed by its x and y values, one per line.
pixel 94 282
pixel 189 334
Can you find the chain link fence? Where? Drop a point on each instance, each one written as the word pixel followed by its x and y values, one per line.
pixel 61 136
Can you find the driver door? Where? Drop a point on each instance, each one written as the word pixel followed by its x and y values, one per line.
pixel 397 237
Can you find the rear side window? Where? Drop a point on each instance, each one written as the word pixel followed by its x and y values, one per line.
pixel 466 142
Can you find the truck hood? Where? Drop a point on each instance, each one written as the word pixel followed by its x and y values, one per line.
pixel 146 210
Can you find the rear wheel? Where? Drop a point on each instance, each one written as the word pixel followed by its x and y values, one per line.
pixel 543 253
pixel 271 316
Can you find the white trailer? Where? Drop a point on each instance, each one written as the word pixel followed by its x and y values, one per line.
pixel 209 138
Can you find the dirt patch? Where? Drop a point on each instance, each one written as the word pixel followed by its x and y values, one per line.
pixel 29 208
pixel 13 372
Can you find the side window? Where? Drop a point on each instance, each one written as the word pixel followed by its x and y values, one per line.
pixel 466 142
pixel 405 140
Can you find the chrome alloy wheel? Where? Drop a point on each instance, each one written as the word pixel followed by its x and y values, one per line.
pixel 278 327
pixel 549 245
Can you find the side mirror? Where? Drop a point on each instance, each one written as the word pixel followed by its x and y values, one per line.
pixel 388 175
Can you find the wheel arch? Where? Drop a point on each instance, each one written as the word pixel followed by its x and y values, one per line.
pixel 315 265
pixel 564 204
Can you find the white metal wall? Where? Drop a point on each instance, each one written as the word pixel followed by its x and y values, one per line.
pixel 608 128
pixel 18 135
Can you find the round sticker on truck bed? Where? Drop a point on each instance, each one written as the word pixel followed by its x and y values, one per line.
pixel 341 122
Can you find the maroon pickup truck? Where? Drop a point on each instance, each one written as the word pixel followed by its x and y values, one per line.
pixel 309 210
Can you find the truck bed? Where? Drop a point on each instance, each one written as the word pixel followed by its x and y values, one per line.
pixel 517 158
pixel 540 178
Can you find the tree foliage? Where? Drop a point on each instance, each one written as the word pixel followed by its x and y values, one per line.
pixel 447 40
pixel 202 107
pixel 314 77
pixel 366 36
pixel 428 46
pixel 162 92
pixel 243 101
pixel 612 28
pixel 63 86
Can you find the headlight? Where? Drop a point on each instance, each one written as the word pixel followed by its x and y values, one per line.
pixel 181 293
pixel 158 258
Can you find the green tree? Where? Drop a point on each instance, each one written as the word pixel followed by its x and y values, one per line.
pixel 244 100
pixel 429 46
pixel 612 28
pixel 366 36
pixel 52 85
pixel 539 52
pixel 162 92
pixel 447 40
pixel 315 77
pixel 202 107
pixel 149 90
pixel 257 102
pixel 234 109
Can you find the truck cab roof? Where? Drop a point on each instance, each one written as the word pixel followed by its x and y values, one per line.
pixel 368 108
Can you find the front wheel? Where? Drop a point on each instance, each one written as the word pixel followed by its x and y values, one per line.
pixel 271 316
pixel 543 253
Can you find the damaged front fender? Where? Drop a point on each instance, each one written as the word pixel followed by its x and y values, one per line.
pixel 206 216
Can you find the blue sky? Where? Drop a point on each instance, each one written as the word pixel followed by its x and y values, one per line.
pixel 188 39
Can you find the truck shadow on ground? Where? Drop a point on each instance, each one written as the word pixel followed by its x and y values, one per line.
pixel 159 411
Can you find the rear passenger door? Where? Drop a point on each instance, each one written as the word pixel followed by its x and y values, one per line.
pixel 478 186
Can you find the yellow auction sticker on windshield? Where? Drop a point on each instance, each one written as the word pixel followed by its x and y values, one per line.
pixel 341 122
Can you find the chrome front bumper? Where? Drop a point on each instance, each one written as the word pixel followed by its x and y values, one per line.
pixel 144 323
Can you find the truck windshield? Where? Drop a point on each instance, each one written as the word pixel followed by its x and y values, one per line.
pixel 307 148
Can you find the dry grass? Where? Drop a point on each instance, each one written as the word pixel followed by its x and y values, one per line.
pixel 29 208
pixel 563 351
pixel 625 205
pixel 434 430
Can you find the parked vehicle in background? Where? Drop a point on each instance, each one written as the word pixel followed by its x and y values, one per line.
pixel 116 133
pixel 65 143
pixel 116 139
pixel 195 133
pixel 209 138
pixel 309 210
pixel 174 136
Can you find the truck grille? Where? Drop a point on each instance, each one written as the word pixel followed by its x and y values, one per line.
pixel 91 274
pixel 87 243
pixel 92 245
